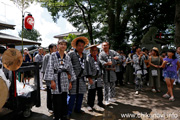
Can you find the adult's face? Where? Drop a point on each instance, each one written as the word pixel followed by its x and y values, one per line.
pixel 153 52
pixel 80 47
pixel 54 49
pixel 62 46
pixel 105 46
pixel 25 52
pixel 41 51
pixel 146 51
pixel 138 50
pixel 178 50
pixel 94 51
pixel 44 52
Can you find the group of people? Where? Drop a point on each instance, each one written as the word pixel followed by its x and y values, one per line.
pixel 66 74
pixel 150 65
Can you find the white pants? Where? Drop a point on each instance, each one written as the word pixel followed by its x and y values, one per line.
pixel 109 90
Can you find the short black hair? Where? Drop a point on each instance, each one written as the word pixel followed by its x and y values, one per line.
pixel 10 45
pixel 174 52
pixel 51 46
pixel 144 49
pixel 80 41
pixel 163 52
pixel 136 48
pixel 177 47
pixel 2 49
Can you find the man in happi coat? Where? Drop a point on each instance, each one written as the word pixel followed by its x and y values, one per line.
pixel 78 59
pixel 140 69
pixel 39 58
pixel 109 59
pixel 95 78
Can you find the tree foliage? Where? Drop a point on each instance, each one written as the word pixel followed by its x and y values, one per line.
pixel 116 21
pixel 177 23
pixel 31 34
pixel 22 4
pixel 69 39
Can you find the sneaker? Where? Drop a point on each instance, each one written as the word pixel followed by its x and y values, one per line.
pixel 137 92
pixel 153 90
pixel 171 98
pixel 101 109
pixel 98 108
pixel 106 103
pixel 50 111
pixel 174 83
pixel 89 108
pixel 42 88
pixel 166 96
pixel 112 100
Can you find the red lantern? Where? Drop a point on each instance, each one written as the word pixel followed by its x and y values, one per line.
pixel 29 22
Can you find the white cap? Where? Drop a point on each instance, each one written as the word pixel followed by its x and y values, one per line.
pixel 25 48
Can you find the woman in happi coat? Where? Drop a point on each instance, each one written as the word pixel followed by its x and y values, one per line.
pixel 60 72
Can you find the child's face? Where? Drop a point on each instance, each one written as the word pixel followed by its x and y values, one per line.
pixel 62 46
pixel 170 54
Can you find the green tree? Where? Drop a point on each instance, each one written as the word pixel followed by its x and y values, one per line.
pixel 177 23
pixel 22 4
pixel 69 39
pixel 116 21
pixel 133 18
pixel 83 14
pixel 31 34
pixel 151 14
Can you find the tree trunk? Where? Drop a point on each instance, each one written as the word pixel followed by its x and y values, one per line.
pixel 177 23
pixel 87 19
pixel 91 36
pixel 121 29
pixel 111 19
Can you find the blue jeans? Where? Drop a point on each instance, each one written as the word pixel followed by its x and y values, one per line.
pixel 79 99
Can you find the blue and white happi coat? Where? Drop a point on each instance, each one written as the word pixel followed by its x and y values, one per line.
pixel 94 70
pixel 56 63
